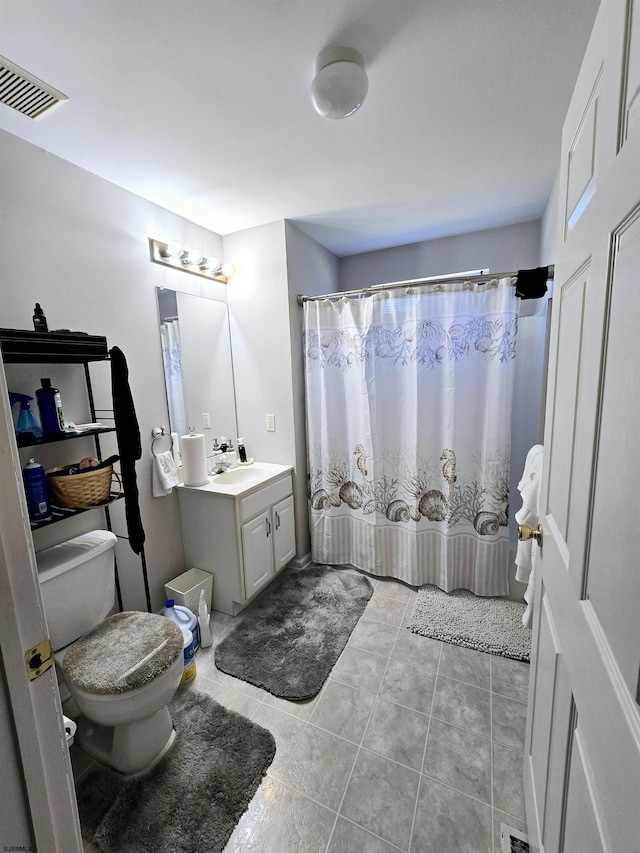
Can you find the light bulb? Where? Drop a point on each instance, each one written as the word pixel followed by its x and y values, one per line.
pixel 211 264
pixel 228 270
pixel 172 250
pixel 192 257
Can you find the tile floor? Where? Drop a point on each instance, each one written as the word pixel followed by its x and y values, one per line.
pixel 412 745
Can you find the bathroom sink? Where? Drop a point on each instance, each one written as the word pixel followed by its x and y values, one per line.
pixel 236 482
pixel 238 476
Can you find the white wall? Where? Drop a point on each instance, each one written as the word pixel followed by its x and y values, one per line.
pixel 550 235
pixel 498 249
pixel 78 245
pixel 311 270
pixel 273 263
pixel 259 319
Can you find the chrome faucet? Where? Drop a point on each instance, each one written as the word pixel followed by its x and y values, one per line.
pixel 220 461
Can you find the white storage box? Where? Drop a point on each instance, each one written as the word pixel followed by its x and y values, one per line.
pixel 185 589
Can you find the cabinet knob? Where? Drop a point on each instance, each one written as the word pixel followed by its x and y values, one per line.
pixel 277 521
pixel 268 526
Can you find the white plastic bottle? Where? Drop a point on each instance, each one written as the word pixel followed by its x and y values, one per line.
pixel 204 621
pixel 189 661
pixel 184 618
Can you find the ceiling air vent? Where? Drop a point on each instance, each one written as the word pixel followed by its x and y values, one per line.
pixel 25 93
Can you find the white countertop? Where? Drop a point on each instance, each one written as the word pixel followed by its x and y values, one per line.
pixel 242 479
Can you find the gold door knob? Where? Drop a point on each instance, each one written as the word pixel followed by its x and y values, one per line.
pixel 525 533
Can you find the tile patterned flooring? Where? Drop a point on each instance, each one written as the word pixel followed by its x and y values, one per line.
pixel 412 745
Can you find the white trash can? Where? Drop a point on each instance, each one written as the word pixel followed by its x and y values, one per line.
pixel 185 589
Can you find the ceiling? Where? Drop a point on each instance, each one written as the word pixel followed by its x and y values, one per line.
pixel 202 106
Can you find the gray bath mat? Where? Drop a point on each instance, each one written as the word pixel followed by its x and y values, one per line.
pixel 289 638
pixel 492 625
pixel 192 799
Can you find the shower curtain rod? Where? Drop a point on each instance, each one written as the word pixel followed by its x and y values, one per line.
pixel 417 282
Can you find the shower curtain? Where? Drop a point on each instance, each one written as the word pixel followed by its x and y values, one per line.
pixel 172 359
pixel 408 403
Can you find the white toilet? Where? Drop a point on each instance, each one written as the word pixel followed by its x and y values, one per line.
pixel 121 670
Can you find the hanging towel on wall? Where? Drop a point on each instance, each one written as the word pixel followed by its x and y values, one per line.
pixel 532 284
pixel 529 515
pixel 128 434
pixel 164 476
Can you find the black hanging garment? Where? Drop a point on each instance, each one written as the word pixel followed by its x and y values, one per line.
pixel 532 284
pixel 129 444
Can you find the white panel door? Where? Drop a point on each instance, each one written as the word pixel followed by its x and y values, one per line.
pixel 36 713
pixel 582 762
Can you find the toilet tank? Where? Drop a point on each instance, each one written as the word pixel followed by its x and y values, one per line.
pixel 77 583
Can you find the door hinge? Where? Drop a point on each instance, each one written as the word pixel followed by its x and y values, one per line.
pixel 39 659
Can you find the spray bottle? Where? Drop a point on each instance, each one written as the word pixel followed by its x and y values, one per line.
pixel 27 421
pixel 204 621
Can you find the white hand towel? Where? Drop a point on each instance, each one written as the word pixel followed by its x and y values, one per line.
pixel 529 515
pixel 164 476
pixel 527 616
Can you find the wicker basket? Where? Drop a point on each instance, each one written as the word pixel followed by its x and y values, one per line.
pixel 84 489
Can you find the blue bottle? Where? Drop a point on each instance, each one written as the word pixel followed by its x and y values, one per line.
pixel 27 421
pixel 35 486
pixel 50 405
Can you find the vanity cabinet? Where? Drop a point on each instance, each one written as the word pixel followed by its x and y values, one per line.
pixel 267 545
pixel 243 532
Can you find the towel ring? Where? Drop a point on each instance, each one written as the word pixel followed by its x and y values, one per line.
pixel 157 434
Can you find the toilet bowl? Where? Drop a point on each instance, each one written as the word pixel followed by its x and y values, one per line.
pixel 121 670
pixel 121 675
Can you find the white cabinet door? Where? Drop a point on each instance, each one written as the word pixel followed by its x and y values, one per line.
pixel 257 553
pixel 284 546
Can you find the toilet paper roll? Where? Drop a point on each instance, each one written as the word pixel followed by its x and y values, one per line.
pixel 194 460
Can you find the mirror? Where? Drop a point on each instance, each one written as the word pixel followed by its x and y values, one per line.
pixel 196 350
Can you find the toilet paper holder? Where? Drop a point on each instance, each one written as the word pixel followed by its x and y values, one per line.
pixel 69 729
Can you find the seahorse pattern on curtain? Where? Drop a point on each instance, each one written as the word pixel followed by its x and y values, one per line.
pixel 408 399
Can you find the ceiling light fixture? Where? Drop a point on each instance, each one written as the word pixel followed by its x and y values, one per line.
pixel 189 260
pixel 340 84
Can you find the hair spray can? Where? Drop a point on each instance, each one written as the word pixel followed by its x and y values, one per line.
pixel 35 486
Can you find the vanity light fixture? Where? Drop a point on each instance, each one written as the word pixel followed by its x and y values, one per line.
pixel 189 260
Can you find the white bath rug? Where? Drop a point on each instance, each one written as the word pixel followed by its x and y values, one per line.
pixel 492 625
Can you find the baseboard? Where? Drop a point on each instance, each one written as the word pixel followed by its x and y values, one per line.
pixel 301 562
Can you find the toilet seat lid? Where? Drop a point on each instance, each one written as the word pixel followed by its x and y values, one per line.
pixel 126 651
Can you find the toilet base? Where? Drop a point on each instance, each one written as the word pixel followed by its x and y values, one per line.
pixel 130 748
